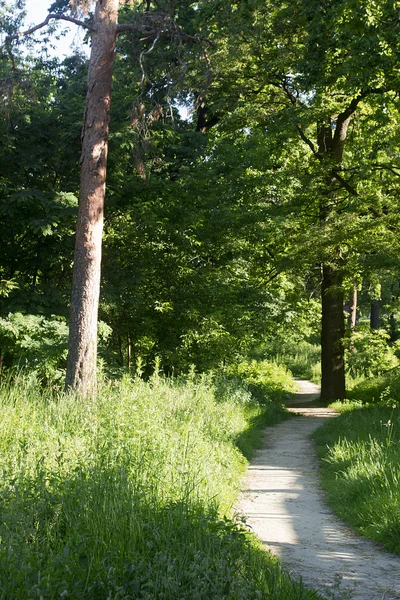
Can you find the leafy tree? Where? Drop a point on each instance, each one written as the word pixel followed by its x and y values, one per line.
pixel 321 78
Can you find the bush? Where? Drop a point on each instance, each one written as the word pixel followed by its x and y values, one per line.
pixel 38 344
pixel 371 355
pixel 384 390
pixel 35 342
pixel 302 358
pixel 265 379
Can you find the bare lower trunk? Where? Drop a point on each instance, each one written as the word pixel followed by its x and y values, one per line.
pixel 352 318
pixel 375 314
pixel 129 353
pixel 332 333
pixel 82 351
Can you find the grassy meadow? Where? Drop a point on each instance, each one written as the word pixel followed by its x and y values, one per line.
pixel 360 452
pixel 130 494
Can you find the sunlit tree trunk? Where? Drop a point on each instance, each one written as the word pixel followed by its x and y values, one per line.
pixel 82 350
pixel 352 318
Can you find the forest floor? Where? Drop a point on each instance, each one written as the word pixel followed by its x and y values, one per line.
pixel 285 507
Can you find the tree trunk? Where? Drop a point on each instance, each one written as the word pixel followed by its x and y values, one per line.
pixel 332 333
pixel 331 140
pixel 129 353
pixel 352 318
pixel 82 350
pixel 375 314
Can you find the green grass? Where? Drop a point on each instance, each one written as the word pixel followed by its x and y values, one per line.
pixel 129 495
pixel 302 358
pixel 360 453
pixel 384 389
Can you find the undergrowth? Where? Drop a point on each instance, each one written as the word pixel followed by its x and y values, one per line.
pixel 129 495
pixel 360 453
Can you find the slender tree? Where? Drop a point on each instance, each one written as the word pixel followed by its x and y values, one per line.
pixel 82 353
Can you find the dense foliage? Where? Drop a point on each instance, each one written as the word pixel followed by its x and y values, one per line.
pixel 217 227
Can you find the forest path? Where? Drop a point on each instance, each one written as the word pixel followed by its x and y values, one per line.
pixel 284 506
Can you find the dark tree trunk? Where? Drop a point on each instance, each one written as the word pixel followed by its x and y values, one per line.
pixel 331 143
pixel 374 319
pixel 332 333
pixel 82 350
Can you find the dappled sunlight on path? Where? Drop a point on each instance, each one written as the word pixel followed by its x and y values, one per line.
pixel 284 506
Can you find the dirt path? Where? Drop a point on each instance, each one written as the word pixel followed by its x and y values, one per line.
pixel 284 506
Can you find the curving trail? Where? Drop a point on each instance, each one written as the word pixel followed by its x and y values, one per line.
pixel 284 506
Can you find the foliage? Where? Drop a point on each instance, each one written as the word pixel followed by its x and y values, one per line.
pixel 360 453
pixel 35 342
pixel 301 357
pixel 38 345
pixel 384 389
pixel 370 355
pixel 268 381
pixel 128 495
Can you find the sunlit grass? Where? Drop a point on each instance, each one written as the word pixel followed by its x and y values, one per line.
pixel 129 495
pixel 360 453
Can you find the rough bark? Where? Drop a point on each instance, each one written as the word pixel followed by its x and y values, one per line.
pixel 333 384
pixel 82 350
pixel 332 333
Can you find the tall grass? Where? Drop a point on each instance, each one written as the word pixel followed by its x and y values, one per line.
pixel 360 453
pixel 301 358
pixel 129 495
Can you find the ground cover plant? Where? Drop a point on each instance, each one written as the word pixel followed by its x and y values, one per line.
pixel 129 494
pixel 360 452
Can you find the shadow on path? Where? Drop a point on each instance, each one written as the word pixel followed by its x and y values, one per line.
pixel 285 507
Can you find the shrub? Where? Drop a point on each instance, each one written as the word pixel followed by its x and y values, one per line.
pixel 371 355
pixel 265 379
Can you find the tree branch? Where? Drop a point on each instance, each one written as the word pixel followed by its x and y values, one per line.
pixel 318 155
pixel 343 120
pixel 390 168
pixel 308 142
pixel 49 17
pixel 163 25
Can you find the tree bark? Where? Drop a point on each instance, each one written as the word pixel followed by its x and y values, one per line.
pixel 82 350
pixel 332 333
pixel 352 316
pixel 333 386
pixel 374 318
pixel 352 319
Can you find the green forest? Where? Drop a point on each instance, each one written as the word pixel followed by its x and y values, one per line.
pixel 201 211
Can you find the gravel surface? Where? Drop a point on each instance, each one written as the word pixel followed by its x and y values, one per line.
pixel 285 507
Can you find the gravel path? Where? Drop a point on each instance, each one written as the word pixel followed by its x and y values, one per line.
pixel 284 506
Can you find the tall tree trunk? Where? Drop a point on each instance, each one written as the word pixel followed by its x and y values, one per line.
pixel 129 352
pixel 82 350
pixel 332 333
pixel 352 318
pixel 375 314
